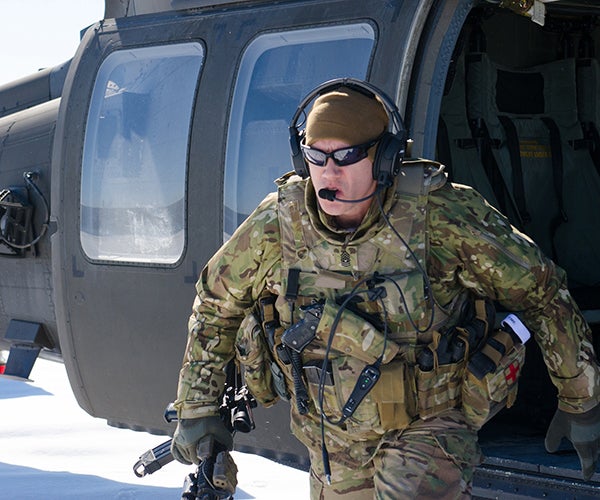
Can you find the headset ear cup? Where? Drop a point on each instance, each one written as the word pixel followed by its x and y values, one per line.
pixel 388 158
pixel 300 166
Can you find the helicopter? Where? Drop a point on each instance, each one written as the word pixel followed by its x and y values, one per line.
pixel 124 169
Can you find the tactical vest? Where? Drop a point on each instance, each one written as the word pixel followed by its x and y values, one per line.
pixel 318 268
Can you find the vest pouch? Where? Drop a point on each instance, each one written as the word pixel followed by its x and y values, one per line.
pixel 483 397
pixel 312 372
pixel 439 388
pixel 365 419
pixel 354 336
pixel 394 394
pixel 253 354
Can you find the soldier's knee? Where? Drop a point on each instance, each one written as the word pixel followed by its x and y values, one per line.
pixel 427 465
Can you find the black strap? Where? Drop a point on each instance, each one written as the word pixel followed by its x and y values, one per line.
pixel 557 163
pixel 485 144
pixel 512 142
pixel 293 285
pixel 557 176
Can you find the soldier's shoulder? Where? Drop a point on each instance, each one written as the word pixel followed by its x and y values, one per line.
pixel 453 193
pixel 266 212
pixel 289 179
pixel 290 187
pixel 461 205
pixel 258 230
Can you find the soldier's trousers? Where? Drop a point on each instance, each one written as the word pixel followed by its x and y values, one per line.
pixel 429 459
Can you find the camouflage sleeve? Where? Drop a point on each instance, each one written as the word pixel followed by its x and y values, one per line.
pixel 473 246
pixel 227 288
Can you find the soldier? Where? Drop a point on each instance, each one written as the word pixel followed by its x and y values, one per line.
pixel 375 275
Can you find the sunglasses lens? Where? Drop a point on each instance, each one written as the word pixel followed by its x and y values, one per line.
pixel 349 156
pixel 314 156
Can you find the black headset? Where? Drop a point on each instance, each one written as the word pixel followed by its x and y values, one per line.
pixel 392 145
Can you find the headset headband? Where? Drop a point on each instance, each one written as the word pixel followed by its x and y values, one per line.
pixel 363 87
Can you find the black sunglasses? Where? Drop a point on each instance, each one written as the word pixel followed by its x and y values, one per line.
pixel 341 157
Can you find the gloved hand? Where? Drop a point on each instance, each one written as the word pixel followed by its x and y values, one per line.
pixel 190 432
pixel 583 430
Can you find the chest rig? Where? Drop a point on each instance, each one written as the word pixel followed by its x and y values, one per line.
pixel 318 265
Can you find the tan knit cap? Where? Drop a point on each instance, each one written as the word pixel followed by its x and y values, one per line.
pixel 346 115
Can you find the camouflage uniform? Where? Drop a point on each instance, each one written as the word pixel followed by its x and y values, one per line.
pixel 386 446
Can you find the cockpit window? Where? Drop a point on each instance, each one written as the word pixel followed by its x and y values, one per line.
pixel 276 72
pixel 135 152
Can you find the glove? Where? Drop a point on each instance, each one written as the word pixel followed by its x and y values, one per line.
pixel 583 430
pixel 190 432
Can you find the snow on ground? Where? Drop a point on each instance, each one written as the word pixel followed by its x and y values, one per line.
pixel 50 448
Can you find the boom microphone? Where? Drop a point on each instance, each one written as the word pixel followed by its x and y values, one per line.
pixel 329 195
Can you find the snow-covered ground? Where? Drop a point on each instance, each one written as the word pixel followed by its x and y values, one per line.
pixel 51 449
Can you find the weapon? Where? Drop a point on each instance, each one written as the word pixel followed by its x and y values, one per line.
pixel 152 460
pixel 236 408
pixel 215 477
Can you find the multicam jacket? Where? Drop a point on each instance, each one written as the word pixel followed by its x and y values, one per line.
pixel 466 245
